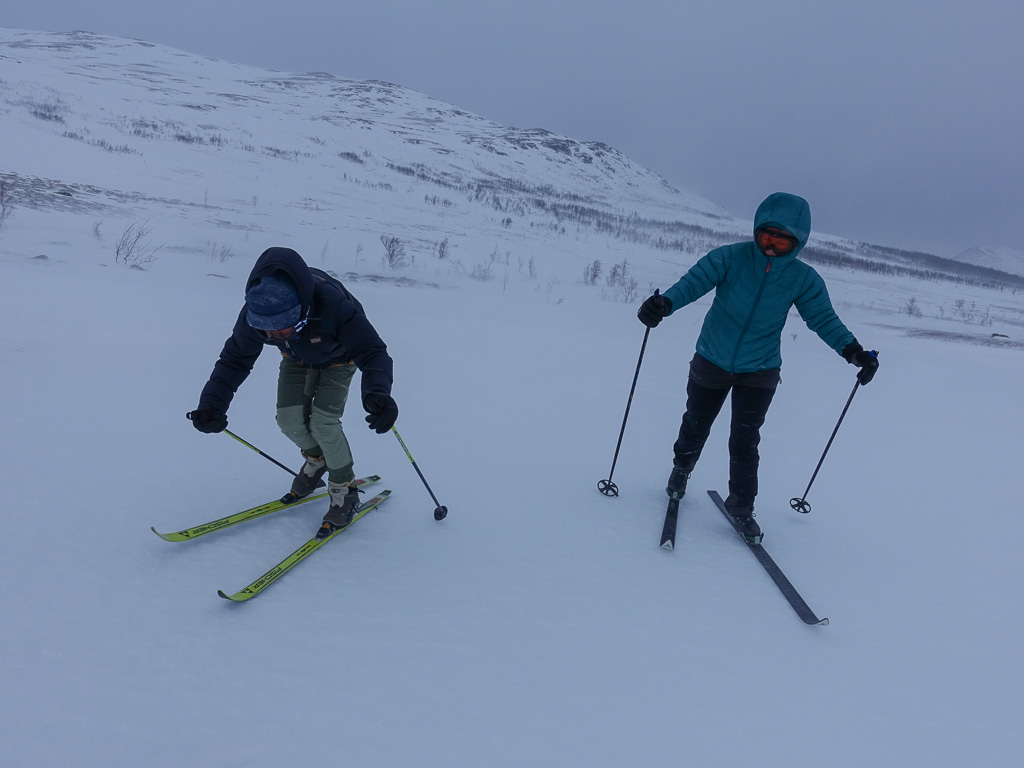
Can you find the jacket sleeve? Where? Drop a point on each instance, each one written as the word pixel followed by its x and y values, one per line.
pixel 815 308
pixel 699 280
pixel 369 353
pixel 233 366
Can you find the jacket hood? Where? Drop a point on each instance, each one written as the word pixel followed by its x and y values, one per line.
pixel 287 262
pixel 788 212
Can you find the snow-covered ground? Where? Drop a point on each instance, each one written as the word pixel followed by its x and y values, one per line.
pixel 539 624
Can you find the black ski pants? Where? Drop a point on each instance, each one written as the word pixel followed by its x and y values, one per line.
pixel 706 391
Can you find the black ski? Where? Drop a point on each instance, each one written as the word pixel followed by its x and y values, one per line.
pixel 784 585
pixel 668 532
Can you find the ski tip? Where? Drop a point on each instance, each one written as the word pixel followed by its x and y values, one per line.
pixel 232 598
pixel 668 544
pixel 823 623
pixel 164 536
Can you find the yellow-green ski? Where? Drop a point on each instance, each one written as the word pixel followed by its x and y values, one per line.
pixel 249 514
pixel 299 555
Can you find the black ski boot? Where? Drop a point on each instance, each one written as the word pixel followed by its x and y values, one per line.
pixel 676 487
pixel 743 518
pixel 344 502
pixel 310 478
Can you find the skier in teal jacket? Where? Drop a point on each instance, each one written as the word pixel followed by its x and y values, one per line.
pixel 755 283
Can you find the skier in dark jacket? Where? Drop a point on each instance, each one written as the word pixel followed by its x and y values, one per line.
pixel 324 336
pixel 755 283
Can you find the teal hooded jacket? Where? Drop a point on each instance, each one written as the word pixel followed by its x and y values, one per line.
pixel 742 331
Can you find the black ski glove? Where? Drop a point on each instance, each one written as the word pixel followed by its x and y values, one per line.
pixel 382 410
pixel 208 419
pixel 866 361
pixel 653 310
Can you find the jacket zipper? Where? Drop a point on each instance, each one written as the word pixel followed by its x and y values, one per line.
pixel 750 317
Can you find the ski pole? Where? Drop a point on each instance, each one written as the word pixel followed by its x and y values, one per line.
pixel 247 444
pixel 801 504
pixel 440 512
pixel 607 487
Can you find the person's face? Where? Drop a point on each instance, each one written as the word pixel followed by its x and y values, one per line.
pixel 282 335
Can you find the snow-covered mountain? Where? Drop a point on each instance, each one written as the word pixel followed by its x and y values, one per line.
pixel 81 110
pixel 995 257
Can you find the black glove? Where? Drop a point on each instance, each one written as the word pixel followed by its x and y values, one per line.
pixel 866 361
pixel 382 410
pixel 208 419
pixel 653 310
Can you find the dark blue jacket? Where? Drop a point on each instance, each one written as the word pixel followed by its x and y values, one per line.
pixel 337 332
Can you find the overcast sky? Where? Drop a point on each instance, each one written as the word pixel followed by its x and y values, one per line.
pixel 901 121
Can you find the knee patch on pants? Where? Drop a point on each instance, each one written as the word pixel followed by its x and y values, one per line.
pixel 292 422
pixel 326 430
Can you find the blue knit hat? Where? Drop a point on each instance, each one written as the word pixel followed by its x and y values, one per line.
pixel 273 304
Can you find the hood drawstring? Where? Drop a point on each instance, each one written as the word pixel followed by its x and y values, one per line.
pixel 303 322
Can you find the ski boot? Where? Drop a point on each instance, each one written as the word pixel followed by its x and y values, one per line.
pixel 344 502
pixel 743 518
pixel 676 487
pixel 310 478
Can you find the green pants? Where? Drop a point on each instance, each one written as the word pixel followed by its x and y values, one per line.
pixel 310 402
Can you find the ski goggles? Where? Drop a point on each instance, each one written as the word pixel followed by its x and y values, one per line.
pixel 777 240
pixel 284 334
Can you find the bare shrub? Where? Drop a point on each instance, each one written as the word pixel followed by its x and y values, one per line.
pixel 528 269
pixel 970 314
pixel 618 275
pixel 51 111
pixel 220 252
pixel 441 249
pixel 629 289
pixel 394 252
pixel 133 246
pixel 591 272
pixel 6 202
pixel 483 272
